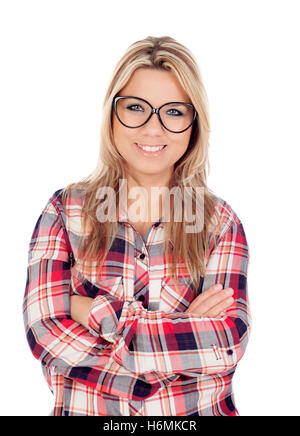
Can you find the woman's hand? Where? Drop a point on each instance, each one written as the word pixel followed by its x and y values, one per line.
pixel 212 303
pixel 80 308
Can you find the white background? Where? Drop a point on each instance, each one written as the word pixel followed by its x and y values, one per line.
pixel 56 60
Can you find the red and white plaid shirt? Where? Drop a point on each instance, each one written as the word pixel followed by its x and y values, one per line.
pixel 142 354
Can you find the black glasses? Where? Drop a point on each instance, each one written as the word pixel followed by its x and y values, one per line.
pixel 134 112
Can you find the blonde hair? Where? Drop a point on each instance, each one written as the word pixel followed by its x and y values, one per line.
pixel 166 54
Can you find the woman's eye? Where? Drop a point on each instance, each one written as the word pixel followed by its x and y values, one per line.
pixel 174 112
pixel 134 107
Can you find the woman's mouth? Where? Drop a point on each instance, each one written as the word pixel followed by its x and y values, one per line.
pixel 150 150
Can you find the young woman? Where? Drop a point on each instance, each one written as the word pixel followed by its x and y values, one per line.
pixel 132 309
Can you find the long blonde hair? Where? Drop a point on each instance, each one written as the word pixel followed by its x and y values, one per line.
pixel 163 53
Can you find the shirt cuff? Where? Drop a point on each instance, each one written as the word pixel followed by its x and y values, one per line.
pixel 108 315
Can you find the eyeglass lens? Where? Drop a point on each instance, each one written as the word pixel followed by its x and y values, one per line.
pixel 134 112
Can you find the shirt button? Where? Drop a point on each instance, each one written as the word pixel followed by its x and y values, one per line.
pixel 141 298
pixel 229 352
pixel 142 256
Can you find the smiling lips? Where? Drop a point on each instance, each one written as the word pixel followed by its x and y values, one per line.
pixel 151 148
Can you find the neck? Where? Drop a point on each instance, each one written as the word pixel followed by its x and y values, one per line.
pixel 146 196
pixel 149 181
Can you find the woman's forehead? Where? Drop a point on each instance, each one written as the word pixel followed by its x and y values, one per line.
pixel 155 86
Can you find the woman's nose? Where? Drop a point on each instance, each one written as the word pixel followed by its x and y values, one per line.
pixel 154 124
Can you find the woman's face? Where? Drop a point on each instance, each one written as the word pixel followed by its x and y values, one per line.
pixel 157 87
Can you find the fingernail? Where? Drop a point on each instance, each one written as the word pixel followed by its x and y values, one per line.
pixel 229 291
pixel 218 287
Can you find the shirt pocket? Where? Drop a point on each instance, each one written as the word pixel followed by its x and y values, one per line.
pixel 176 295
pixel 112 286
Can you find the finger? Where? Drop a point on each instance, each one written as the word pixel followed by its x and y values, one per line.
pixel 216 299
pixel 219 308
pixel 212 301
pixel 205 295
pixel 212 290
pixel 221 314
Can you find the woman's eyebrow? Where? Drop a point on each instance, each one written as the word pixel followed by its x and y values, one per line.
pixel 167 101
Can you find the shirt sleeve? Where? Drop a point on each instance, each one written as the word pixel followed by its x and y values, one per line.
pixel 53 337
pixel 179 342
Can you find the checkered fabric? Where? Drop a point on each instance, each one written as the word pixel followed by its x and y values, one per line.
pixel 142 354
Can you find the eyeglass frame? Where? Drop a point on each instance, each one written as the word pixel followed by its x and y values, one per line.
pixel 153 111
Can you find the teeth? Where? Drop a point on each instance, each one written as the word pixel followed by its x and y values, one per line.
pixel 146 148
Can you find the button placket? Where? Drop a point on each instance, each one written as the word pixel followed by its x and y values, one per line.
pixel 126 233
pixel 141 266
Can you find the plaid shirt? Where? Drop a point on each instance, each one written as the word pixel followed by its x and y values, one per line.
pixel 142 354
